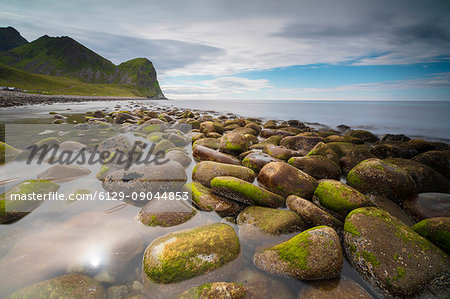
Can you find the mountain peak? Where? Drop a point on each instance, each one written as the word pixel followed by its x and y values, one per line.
pixel 10 38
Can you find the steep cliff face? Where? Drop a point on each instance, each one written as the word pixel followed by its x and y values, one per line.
pixel 65 57
pixel 10 38
pixel 140 71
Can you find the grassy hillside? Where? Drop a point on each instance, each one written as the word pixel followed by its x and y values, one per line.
pixel 10 76
pixel 60 56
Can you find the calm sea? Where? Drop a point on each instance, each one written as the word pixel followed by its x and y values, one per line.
pixel 430 120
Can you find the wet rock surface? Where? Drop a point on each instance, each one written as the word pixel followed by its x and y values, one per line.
pixel 312 214
pixel 342 288
pixel 284 179
pixel 389 254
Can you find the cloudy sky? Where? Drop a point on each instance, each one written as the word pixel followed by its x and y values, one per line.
pixel 262 49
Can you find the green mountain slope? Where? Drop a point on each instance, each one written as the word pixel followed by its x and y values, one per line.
pixel 65 57
pixel 10 76
pixel 10 38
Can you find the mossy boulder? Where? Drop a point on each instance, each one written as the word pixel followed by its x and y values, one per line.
pixel 437 230
pixel 373 176
pixel 255 161
pixel 425 178
pixel 165 213
pixel 438 160
pixel 321 149
pixel 251 139
pixel 389 254
pixel 178 139
pixel 152 128
pixel 205 171
pixel 163 145
pixel 311 214
pixel 203 153
pixel 12 210
pixel 266 133
pixel 187 114
pixel 362 134
pixel 244 131
pixel 339 288
pixel 269 221
pixel 339 197
pixel 352 159
pixel 311 255
pixel 280 152
pixel 245 192
pixel 319 167
pixel 63 173
pixel 72 285
pixel 154 137
pixel 272 140
pixel 210 127
pixel 7 153
pixel 219 290
pixel 428 205
pixel 422 146
pixel 205 200
pixel 386 150
pixel 189 253
pixel 297 142
pixel 208 142
pixel 285 180
pixel 261 285
pixel 346 138
pixel 343 149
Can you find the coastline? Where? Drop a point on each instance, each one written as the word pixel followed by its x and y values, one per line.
pixel 14 99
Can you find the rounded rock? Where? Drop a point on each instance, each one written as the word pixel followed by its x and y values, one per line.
pixel 285 180
pixel 311 255
pixel 319 167
pixel 188 253
pixel 389 254
pixel 373 176
pixel 437 230
pixel 339 198
pixel 205 171
pixel 312 214
pixel 245 192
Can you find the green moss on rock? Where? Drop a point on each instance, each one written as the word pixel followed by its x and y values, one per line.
pixel 245 192
pixel 67 286
pixel 7 152
pixel 339 197
pixel 185 254
pixel 437 230
pixel 270 221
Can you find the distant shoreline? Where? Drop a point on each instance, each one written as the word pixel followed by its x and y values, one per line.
pixel 14 99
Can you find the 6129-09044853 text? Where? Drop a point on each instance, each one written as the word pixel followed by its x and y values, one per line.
pixel 107 196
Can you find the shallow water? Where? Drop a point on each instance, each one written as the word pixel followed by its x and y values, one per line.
pixel 93 237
